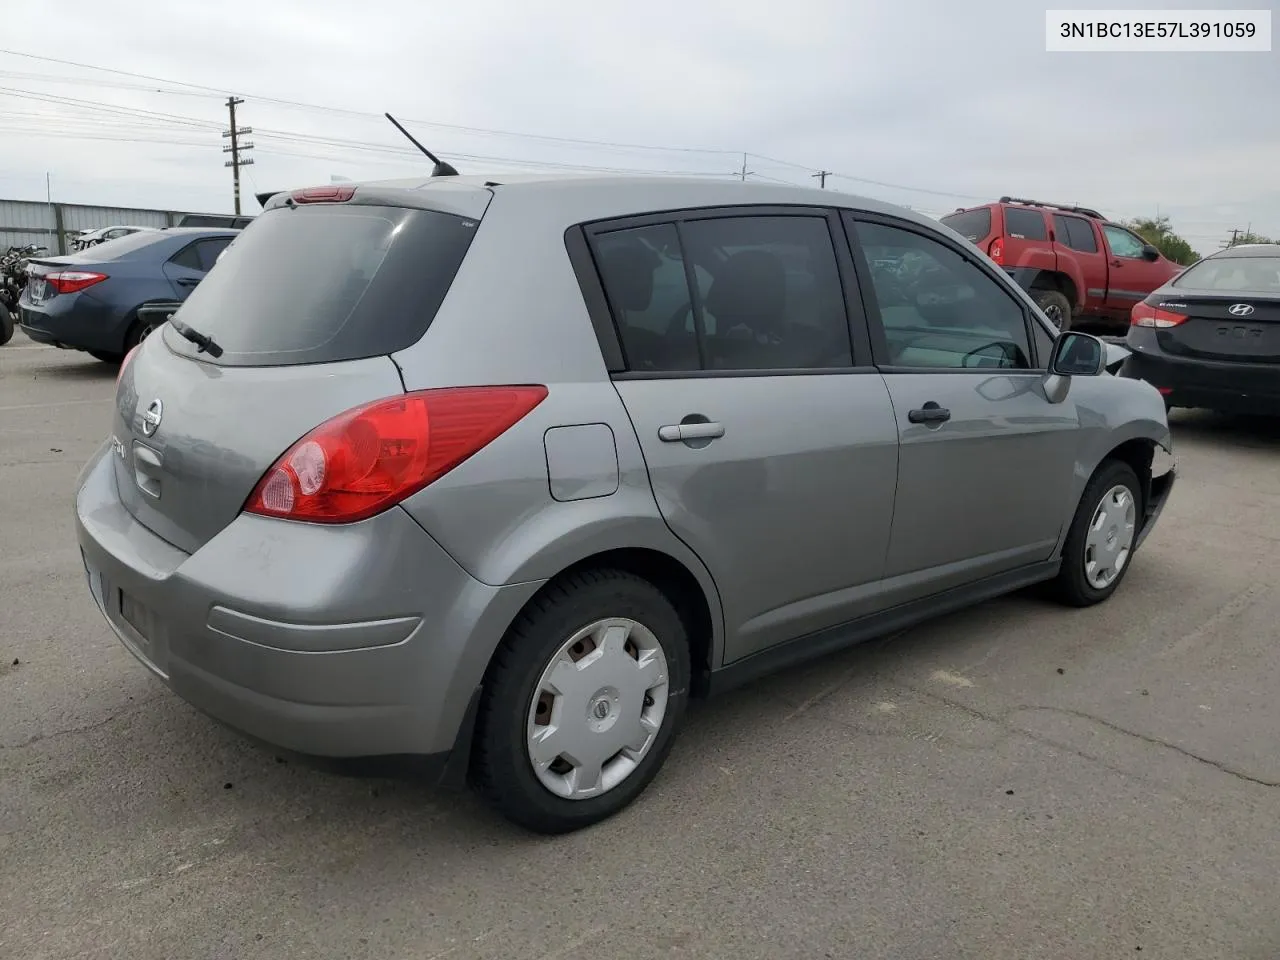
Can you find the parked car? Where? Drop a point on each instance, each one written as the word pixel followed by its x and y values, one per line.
pixel 89 300
pixel 1211 337
pixel 465 469
pixel 89 238
pixel 1076 264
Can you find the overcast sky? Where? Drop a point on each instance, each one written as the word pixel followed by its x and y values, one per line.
pixel 957 97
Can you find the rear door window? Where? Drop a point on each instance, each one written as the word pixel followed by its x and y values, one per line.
pixel 973 225
pixel 1024 224
pixel 768 294
pixel 209 250
pixel 326 283
pixel 1075 233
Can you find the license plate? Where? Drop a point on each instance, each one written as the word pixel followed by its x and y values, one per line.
pixel 136 615
pixel 37 289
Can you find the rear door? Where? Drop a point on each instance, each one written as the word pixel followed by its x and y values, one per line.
pixel 1077 243
pixel 306 306
pixel 985 460
pixel 186 268
pixel 769 438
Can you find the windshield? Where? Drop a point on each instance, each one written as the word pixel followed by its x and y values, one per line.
pixel 1233 275
pixel 326 283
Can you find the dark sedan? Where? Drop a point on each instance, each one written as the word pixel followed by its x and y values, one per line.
pixel 90 300
pixel 1211 336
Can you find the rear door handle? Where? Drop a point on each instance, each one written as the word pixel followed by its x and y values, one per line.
pixel 679 432
pixel 929 413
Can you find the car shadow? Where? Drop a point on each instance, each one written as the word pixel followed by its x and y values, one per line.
pixel 87 370
pixel 1248 431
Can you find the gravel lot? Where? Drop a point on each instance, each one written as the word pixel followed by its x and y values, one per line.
pixel 1019 781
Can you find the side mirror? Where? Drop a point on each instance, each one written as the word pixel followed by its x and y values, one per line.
pixel 1078 355
pixel 1150 253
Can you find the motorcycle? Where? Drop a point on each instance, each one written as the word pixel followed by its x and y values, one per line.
pixel 13 280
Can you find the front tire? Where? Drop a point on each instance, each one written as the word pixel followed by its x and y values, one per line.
pixel 1100 542
pixel 582 702
pixel 1055 306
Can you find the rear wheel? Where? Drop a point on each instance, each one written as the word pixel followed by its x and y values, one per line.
pixel 1100 542
pixel 582 702
pixel 6 325
pixel 140 330
pixel 1055 306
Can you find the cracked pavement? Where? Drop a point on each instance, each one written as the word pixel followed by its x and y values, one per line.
pixel 1016 781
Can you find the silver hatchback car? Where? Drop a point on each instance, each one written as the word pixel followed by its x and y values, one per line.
pixel 501 473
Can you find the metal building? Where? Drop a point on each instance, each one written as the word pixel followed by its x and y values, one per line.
pixel 53 224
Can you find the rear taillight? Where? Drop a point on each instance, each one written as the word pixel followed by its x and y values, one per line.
pixel 71 281
pixel 996 250
pixel 374 456
pixel 1146 315
pixel 125 362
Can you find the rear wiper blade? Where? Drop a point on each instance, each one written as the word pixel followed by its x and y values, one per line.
pixel 204 344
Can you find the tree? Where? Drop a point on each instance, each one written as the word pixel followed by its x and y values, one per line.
pixel 1158 232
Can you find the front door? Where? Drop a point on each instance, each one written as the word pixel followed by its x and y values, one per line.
pixel 1130 275
pixel 985 460
pixel 771 452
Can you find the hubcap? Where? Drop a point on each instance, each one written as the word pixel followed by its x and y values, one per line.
pixel 597 708
pixel 1110 537
pixel 146 332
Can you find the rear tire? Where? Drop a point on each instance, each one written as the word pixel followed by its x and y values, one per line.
pixel 541 691
pixel 1055 306
pixel 1101 536
pixel 6 325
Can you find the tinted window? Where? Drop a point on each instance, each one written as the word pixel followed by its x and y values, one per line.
pixel 973 225
pixel 644 278
pixel 1234 274
pixel 327 283
pixel 1075 233
pixel 1024 224
pixel 188 256
pixel 943 311
pixel 769 294
pixel 1122 242
pixel 209 250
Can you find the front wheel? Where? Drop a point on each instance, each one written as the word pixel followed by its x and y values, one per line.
pixel 582 702
pixel 1055 306
pixel 1100 543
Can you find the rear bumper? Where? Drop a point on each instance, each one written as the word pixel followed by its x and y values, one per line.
pixel 270 632
pixel 1245 388
pixel 74 320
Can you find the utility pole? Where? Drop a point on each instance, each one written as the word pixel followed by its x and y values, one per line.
pixel 236 147
pixel 1235 232
pixel 822 177
pixel 745 172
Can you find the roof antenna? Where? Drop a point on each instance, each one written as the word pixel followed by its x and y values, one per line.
pixel 441 169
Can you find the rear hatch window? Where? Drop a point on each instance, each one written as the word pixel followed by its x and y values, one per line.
pixel 325 283
pixel 973 225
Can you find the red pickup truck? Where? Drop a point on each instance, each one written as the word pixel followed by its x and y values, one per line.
pixel 1074 262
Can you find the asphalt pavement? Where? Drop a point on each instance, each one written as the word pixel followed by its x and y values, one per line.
pixel 1017 781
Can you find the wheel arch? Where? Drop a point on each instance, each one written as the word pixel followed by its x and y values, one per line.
pixel 692 593
pixel 1062 282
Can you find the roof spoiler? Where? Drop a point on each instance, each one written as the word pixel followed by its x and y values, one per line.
pixel 265 198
